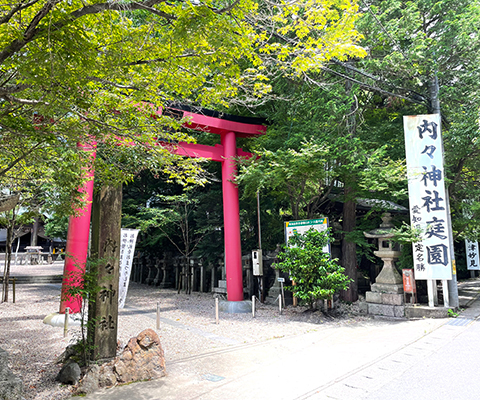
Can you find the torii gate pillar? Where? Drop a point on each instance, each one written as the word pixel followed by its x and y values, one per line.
pixel 231 219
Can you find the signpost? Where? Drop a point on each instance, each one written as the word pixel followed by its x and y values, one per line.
pixel 301 227
pixel 128 239
pixel 471 248
pixel 429 211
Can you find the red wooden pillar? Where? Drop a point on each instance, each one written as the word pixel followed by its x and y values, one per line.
pixel 77 244
pixel 231 219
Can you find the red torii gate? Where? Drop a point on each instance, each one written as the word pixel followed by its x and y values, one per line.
pixel 229 128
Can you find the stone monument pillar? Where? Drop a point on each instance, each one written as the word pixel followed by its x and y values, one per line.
pixel 103 311
pixel 386 296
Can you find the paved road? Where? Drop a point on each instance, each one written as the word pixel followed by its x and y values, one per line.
pixel 441 365
pixel 379 360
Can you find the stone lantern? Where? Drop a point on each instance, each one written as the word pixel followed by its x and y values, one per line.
pixel 386 296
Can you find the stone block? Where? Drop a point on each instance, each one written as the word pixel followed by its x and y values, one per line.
pixel 392 299
pixel 426 312
pixel 363 306
pixel 387 288
pixel 235 307
pixel 222 284
pixel 373 297
pixel 386 310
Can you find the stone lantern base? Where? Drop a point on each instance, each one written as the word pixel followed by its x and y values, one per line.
pixel 386 296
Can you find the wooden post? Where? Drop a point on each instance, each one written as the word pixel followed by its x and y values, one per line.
pixel 253 306
pixel 446 302
pixel 435 292
pixel 430 288
pixel 295 300
pixel 103 311
pixel 65 324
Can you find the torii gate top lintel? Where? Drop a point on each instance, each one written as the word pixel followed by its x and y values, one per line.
pixel 205 120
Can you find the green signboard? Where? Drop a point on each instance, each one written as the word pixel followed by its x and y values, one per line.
pixel 292 227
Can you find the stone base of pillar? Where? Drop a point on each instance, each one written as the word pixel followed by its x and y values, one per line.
pixel 386 310
pixel 235 307
pixel 386 300
pixel 57 319
pixel 388 288
pixel 221 288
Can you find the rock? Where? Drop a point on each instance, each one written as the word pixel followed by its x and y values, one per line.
pixel 11 387
pixel 70 373
pixel 65 356
pixel 141 359
pixel 91 380
pixel 107 377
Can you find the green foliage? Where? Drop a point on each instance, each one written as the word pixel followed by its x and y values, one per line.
pixel 411 44
pixel 301 177
pixel 92 71
pixel 57 227
pixel 84 284
pixel 407 234
pixel 315 274
pixel 452 313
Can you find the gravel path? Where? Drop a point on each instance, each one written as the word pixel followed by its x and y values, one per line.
pixel 187 328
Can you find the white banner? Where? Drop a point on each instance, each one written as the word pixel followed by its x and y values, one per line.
pixel 127 248
pixel 427 195
pixel 471 249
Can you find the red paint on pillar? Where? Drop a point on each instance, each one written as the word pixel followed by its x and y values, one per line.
pixel 77 244
pixel 231 219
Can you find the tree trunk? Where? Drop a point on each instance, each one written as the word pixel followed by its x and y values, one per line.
pixel 349 253
pixel 34 238
pixel 8 258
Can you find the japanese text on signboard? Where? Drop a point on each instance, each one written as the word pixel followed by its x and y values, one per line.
pixel 127 248
pixel 426 188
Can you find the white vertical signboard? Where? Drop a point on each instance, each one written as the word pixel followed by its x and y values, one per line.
pixel 471 249
pixel 127 248
pixel 427 195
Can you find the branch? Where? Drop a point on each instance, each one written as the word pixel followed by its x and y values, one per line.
pixel 142 62
pixel 6 90
pixel 369 87
pixel 33 31
pixel 104 81
pixel 19 7
pixel 148 7
pixel 226 9
pixel 13 163
pixel 22 101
